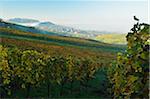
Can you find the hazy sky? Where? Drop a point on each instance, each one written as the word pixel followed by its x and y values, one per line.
pixel 108 15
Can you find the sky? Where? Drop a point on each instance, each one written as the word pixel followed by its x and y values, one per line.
pixel 100 15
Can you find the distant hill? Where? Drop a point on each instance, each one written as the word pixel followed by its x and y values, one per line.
pixel 25 28
pixel 45 24
pixel 50 28
pixel 22 20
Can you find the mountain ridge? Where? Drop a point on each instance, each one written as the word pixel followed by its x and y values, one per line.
pixel 22 20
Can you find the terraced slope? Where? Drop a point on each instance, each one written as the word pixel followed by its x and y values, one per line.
pixel 58 40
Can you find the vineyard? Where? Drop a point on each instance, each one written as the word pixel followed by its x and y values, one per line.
pixel 37 65
pixel 30 68
pixel 53 66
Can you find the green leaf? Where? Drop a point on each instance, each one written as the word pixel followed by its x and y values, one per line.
pixel 23 86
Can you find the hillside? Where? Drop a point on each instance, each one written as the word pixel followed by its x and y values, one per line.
pixel 58 40
pixel 112 38
pixel 48 26
pixel 83 51
pixel 11 35
pixel 24 28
